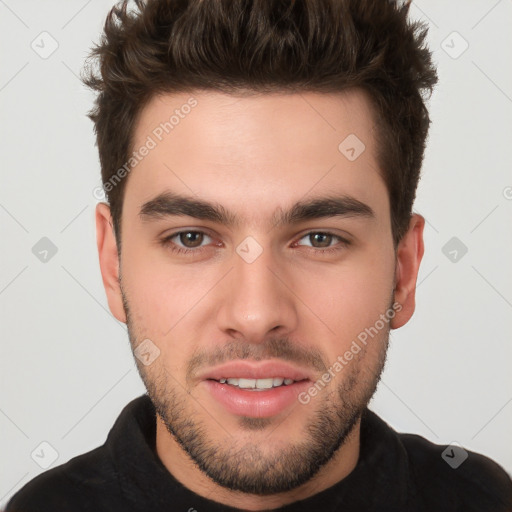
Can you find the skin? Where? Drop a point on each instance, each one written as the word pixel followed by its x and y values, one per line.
pixel 257 156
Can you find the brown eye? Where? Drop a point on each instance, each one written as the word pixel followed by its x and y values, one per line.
pixel 323 242
pixel 191 242
pixel 191 239
pixel 320 240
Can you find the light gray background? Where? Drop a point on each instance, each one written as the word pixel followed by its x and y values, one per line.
pixel 66 367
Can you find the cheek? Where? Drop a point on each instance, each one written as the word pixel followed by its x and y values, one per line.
pixel 347 298
pixel 161 306
pixel 159 295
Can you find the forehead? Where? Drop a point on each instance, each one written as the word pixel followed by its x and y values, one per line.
pixel 256 153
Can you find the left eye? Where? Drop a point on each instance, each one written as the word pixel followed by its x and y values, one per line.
pixel 319 239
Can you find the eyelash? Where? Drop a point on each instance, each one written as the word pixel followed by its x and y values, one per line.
pixel 167 242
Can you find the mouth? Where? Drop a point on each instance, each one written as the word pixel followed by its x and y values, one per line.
pixel 257 384
pixel 257 390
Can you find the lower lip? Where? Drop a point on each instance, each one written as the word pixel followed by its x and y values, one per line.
pixel 255 404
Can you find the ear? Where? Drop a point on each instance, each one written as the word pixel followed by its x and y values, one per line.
pixel 109 260
pixel 408 258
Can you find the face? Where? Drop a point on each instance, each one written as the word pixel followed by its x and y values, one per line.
pixel 258 278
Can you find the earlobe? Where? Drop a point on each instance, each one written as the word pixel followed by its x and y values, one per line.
pixel 409 254
pixel 109 260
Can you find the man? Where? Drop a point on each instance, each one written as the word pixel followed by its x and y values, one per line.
pixel 260 159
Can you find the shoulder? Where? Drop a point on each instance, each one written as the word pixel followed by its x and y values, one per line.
pixel 76 485
pixel 459 478
pixel 92 481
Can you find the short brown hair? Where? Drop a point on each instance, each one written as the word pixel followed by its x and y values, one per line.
pixel 264 46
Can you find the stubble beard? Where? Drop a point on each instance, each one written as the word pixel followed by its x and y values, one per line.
pixel 245 466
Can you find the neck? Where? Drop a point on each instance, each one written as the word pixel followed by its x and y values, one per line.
pixel 181 466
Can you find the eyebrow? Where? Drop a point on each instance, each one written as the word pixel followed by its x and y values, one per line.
pixel 169 204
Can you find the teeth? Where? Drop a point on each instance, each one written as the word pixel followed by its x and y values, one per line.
pixel 257 384
pixel 247 383
pixel 264 383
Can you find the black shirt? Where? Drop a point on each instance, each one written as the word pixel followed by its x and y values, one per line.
pixel 395 472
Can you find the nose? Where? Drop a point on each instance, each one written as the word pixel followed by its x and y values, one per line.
pixel 254 301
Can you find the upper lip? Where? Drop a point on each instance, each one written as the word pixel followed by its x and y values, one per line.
pixel 254 370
